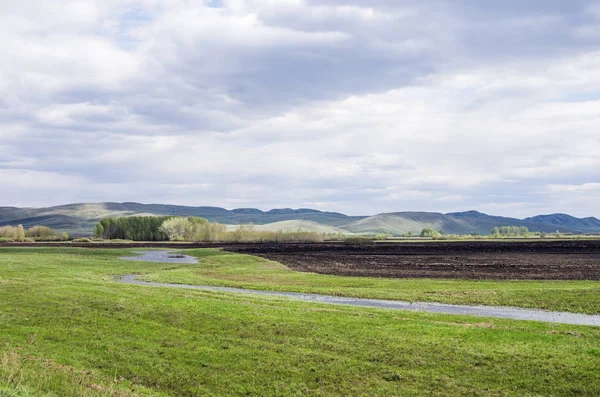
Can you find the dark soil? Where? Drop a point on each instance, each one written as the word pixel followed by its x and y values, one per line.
pixel 502 260
pixel 540 260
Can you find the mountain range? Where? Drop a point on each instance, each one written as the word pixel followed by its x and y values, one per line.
pixel 79 219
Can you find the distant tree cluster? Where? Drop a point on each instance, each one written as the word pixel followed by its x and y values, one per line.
pixel 40 232
pixel 359 240
pixel 35 233
pixel 429 232
pixel 199 229
pixel 247 234
pixel 510 231
pixel 136 228
pixel 192 229
pixel 12 233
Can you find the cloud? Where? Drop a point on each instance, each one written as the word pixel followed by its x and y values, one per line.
pixel 356 106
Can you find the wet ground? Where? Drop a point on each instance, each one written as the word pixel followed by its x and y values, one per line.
pixel 484 311
pixel 162 257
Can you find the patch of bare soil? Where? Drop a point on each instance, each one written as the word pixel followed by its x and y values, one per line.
pixel 553 260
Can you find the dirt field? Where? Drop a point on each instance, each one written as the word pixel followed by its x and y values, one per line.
pixel 552 260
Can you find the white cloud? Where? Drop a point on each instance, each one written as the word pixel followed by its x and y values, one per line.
pixel 36 181
pixel 345 105
pixel 586 187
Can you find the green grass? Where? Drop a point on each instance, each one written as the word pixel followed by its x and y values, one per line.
pixel 67 329
pixel 234 270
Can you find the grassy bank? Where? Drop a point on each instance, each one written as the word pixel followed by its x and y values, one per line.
pixel 234 270
pixel 66 328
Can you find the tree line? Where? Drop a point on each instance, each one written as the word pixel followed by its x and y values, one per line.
pixel 510 231
pixel 136 228
pixel 191 229
pixel 36 233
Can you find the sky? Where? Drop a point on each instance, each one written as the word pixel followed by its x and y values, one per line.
pixel 357 106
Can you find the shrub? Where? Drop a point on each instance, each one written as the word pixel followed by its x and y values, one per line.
pixel 429 232
pixel 35 233
pixel 8 232
pixel 337 236
pixel 99 230
pixel 193 229
pixel 40 232
pixel 510 231
pixel 211 232
pixel 20 233
pixel 176 229
pixel 247 234
pixel 359 240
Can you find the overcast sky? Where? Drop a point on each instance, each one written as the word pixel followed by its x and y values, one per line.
pixel 357 106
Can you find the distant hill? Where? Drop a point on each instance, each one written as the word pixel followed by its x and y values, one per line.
pixel 401 222
pixel 470 222
pixel 79 219
pixel 483 223
pixel 582 225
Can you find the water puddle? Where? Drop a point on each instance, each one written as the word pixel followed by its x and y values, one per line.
pixel 162 257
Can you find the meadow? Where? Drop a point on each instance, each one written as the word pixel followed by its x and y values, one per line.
pixel 67 328
pixel 226 269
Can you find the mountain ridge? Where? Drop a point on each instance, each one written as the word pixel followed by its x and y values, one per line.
pixel 80 218
pixel 565 220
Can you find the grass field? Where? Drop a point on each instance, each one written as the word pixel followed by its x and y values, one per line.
pixel 234 270
pixel 68 329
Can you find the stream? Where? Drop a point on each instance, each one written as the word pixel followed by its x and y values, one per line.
pixel 483 311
